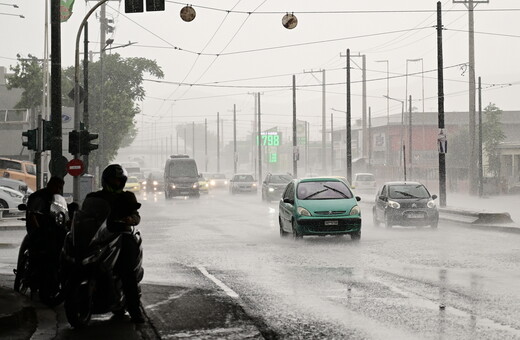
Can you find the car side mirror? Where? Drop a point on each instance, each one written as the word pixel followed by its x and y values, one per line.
pixel 22 207
pixel 288 200
pixel 434 197
pixel 383 198
pixel 358 198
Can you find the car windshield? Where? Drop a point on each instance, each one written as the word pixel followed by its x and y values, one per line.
pixel 243 178
pixel 365 178
pixel 280 179
pixel 132 179
pixel 408 191
pixel 183 168
pixel 323 190
pixel 218 176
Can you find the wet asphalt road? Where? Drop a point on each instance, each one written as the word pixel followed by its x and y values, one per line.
pixel 404 283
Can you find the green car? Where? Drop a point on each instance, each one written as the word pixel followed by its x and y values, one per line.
pixel 319 206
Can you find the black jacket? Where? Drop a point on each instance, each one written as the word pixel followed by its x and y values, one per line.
pixel 123 204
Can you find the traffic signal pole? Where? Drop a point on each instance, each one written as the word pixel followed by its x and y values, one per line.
pixel 77 114
pixel 56 152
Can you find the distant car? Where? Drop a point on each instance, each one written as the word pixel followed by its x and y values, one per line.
pixel 203 184
pixel 364 181
pixel 319 206
pixel 217 181
pixel 274 185
pixel 154 182
pixel 242 183
pixel 181 177
pixel 10 199
pixel 15 185
pixel 406 204
pixel 132 184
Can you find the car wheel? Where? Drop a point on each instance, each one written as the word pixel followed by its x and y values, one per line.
pixel 356 236
pixel 295 233
pixel 4 205
pixel 388 224
pixel 283 233
pixel 374 218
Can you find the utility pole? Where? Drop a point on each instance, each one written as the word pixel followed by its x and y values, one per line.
pixel 323 123
pixel 218 142
pixel 440 96
pixel 369 138
pixel 296 153
pixel 193 138
pixel 473 169
pixel 85 85
pixel 348 128
pixel 387 138
pixel 259 141
pixel 410 138
pixel 205 145
pixel 57 166
pixel 331 143
pixel 235 156
pixel 480 164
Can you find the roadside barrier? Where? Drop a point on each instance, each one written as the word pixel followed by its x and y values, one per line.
pixel 473 217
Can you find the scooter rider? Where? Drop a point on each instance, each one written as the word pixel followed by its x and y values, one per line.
pixel 123 215
pixel 44 238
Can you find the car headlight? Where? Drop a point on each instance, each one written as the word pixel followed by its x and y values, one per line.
pixel 173 186
pixel 254 184
pixel 271 189
pixel 303 211
pixel 12 194
pixel 355 210
pixel 155 183
pixel 195 185
pixel 393 204
pixel 212 182
pixel 431 204
pixel 225 182
pixel 144 183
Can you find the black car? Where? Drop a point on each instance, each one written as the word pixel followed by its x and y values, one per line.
pixel 274 185
pixel 405 204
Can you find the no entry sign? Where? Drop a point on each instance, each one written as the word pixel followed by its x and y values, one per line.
pixel 75 167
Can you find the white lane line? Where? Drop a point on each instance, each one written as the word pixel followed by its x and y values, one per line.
pixel 219 283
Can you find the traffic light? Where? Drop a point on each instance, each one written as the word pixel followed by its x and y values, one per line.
pixel 74 142
pixel 32 139
pixel 154 5
pixel 47 135
pixel 134 6
pixel 84 142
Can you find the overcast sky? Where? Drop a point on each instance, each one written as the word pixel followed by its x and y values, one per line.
pixel 257 54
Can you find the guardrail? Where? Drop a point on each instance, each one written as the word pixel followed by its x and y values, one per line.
pixel 474 217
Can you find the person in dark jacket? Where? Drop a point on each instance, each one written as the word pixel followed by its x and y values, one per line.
pixel 124 215
pixel 45 240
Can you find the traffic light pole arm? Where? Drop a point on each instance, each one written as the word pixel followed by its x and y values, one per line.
pixel 77 118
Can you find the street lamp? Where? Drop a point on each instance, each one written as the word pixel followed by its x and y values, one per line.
pixel 402 120
pixel 387 108
pixel 348 146
pixel 422 77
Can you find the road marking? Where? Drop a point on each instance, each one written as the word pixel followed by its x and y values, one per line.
pixel 219 283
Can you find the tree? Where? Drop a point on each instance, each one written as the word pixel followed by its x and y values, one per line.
pixel 492 136
pixel 28 75
pixel 122 89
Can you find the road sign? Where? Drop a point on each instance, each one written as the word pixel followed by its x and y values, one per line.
pixel 75 167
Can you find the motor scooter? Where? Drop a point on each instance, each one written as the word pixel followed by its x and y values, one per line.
pixel 43 277
pixel 89 257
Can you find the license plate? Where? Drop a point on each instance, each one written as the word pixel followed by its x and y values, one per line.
pixel 185 192
pixel 331 222
pixel 415 216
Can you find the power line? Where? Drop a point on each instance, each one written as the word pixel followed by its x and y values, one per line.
pixel 397 11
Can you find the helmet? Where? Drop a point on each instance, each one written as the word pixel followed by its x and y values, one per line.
pixel 111 172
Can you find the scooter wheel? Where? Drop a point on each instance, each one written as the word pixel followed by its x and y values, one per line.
pixel 78 306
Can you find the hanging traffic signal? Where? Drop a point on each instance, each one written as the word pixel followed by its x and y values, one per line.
pixel 84 142
pixel 134 6
pixel 47 135
pixel 74 142
pixel 32 139
pixel 154 5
